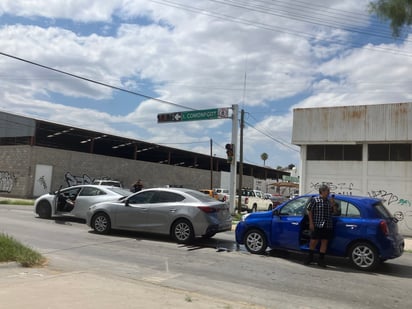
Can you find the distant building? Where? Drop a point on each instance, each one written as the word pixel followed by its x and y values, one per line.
pixel 359 150
pixel 38 156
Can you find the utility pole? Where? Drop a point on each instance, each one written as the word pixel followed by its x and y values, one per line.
pixel 233 165
pixel 211 164
pixel 239 201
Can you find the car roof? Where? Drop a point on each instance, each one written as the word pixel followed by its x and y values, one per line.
pixel 87 185
pixel 351 198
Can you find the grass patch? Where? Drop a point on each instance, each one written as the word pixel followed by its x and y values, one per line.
pixel 237 217
pixel 16 202
pixel 188 299
pixel 14 251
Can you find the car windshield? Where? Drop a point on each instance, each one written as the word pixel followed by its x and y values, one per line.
pixel 120 191
pixel 382 211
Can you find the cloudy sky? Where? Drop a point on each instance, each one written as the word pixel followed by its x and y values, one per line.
pixel 268 57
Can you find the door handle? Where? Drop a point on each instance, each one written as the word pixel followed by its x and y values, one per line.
pixel 173 210
pixel 351 226
pixel 295 223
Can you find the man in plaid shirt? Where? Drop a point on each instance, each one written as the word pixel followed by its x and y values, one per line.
pixel 320 212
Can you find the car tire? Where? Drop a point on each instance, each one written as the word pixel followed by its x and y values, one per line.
pixel 207 236
pixel 101 223
pixel 44 210
pixel 364 256
pixel 270 207
pixel 255 241
pixel 182 231
pixel 254 208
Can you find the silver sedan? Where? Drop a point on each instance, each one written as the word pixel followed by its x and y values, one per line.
pixel 75 201
pixel 181 213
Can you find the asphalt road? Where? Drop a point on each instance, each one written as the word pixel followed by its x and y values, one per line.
pixel 214 267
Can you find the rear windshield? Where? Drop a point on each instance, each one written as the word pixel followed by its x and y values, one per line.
pixel 201 196
pixel 382 211
pixel 120 191
pixel 107 183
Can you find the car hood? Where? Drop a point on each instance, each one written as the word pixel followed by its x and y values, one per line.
pixel 258 215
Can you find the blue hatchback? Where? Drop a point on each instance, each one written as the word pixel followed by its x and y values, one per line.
pixel 364 230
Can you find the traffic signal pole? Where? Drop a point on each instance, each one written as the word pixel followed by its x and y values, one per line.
pixel 233 164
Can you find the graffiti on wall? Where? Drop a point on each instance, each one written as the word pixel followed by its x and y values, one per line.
pixel 73 180
pixel 7 181
pixel 345 188
pixel 392 200
pixel 42 182
pixel 389 198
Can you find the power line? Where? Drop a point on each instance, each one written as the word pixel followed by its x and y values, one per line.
pixel 268 27
pixel 94 81
pixel 271 137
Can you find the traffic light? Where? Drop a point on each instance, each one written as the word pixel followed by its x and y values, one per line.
pixel 229 152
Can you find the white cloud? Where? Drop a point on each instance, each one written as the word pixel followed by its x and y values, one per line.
pixel 195 59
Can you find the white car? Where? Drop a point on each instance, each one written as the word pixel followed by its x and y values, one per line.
pixel 75 201
pixel 107 182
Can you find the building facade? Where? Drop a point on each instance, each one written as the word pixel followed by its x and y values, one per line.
pixel 359 150
pixel 37 157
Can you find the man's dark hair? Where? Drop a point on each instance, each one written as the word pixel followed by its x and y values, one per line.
pixel 323 188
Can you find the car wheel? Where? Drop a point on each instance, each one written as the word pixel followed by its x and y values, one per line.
pixel 255 242
pixel 101 223
pixel 254 208
pixel 364 256
pixel 182 231
pixel 270 207
pixel 44 210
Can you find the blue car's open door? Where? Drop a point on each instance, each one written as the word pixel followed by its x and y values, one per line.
pixel 288 223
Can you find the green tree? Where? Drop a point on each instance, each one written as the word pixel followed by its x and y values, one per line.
pixel 398 12
pixel 264 156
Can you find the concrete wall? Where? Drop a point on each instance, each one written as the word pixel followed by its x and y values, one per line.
pixel 15 171
pixel 18 165
pixel 388 180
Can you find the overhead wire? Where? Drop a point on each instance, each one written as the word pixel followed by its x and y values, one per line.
pixel 319 13
pixel 268 27
pixel 95 82
pixel 271 137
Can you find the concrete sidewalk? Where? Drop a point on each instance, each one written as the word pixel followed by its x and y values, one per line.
pixel 44 288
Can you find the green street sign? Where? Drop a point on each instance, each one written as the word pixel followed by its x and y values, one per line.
pixel 200 115
pixel 206 114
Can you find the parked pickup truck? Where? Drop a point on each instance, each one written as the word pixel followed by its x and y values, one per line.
pixel 253 200
pixel 221 194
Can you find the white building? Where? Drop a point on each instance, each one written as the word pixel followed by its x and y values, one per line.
pixel 359 150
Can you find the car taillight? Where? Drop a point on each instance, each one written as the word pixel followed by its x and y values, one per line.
pixel 207 209
pixel 246 200
pixel 224 198
pixel 384 227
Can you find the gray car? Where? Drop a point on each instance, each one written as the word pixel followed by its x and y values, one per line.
pixel 75 201
pixel 181 213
